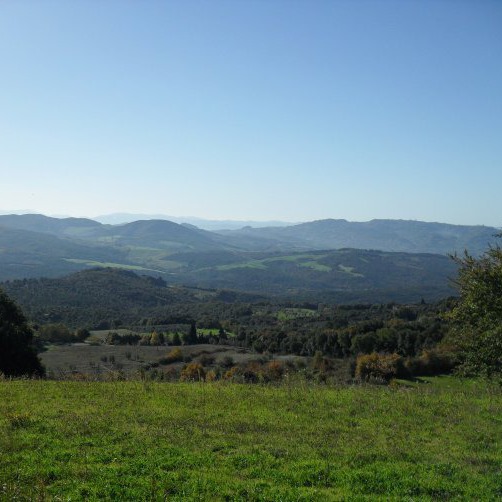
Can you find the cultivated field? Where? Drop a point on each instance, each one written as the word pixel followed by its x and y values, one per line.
pixel 142 440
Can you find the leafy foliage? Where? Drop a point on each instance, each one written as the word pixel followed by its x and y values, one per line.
pixel 379 367
pixel 17 352
pixel 477 317
pixel 193 372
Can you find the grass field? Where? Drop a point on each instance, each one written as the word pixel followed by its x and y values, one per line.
pixel 151 441
pixel 92 263
pixel 303 260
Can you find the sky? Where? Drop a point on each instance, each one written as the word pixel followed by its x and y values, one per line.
pixel 253 109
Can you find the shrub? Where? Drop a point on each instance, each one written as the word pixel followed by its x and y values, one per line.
pixel 171 374
pixel 206 359
pixel 82 334
pixel 274 371
pixel 227 362
pixel 252 372
pixel 379 367
pixel 231 373
pixel 192 372
pixel 173 356
pixel 56 333
pixel 211 376
pixel 432 362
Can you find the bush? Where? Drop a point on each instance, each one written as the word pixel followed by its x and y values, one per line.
pixel 431 362
pixel 206 359
pixel 274 371
pixel 173 356
pixel 380 368
pixel 227 362
pixel 193 372
pixel 252 372
pixel 211 376
pixel 82 334
pixel 171 374
pixel 56 333
pixel 231 373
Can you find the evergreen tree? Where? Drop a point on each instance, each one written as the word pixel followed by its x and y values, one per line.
pixel 191 337
pixel 17 352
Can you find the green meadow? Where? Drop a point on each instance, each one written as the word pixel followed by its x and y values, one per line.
pixel 142 440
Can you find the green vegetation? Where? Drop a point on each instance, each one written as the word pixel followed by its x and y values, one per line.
pixel 349 270
pixel 477 331
pixel 215 441
pixel 37 246
pixel 17 350
pixel 287 314
pixel 123 266
pixel 314 265
pixel 105 426
pixel 253 264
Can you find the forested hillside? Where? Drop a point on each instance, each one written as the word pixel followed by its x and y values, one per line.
pixel 384 235
pixel 346 275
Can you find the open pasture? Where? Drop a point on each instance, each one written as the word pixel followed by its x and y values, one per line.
pixel 140 440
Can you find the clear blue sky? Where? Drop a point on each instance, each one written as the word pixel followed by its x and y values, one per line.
pixel 292 110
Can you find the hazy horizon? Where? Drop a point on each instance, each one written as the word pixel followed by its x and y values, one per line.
pixel 125 217
pixel 253 111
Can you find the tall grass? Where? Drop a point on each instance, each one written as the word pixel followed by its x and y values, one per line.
pixel 217 441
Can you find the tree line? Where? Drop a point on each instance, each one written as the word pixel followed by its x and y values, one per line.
pixel 469 326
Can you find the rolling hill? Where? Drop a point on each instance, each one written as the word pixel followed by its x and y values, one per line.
pixel 346 275
pixel 90 297
pixel 26 253
pixel 384 235
pixel 333 258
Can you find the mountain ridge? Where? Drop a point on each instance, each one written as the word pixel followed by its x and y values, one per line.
pixel 37 245
pixel 382 234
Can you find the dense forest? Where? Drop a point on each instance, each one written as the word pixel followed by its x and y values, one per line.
pixel 111 298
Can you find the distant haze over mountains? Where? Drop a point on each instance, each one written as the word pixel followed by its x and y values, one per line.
pixel 406 257
pixel 118 218
pixel 384 235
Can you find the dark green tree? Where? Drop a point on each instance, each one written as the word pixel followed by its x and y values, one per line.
pixel 17 352
pixel 190 338
pixel 477 317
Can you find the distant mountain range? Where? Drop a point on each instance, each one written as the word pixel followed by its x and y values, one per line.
pixel 286 260
pixel 120 218
pixel 384 235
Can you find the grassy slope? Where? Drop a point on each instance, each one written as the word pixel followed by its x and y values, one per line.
pixel 149 441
